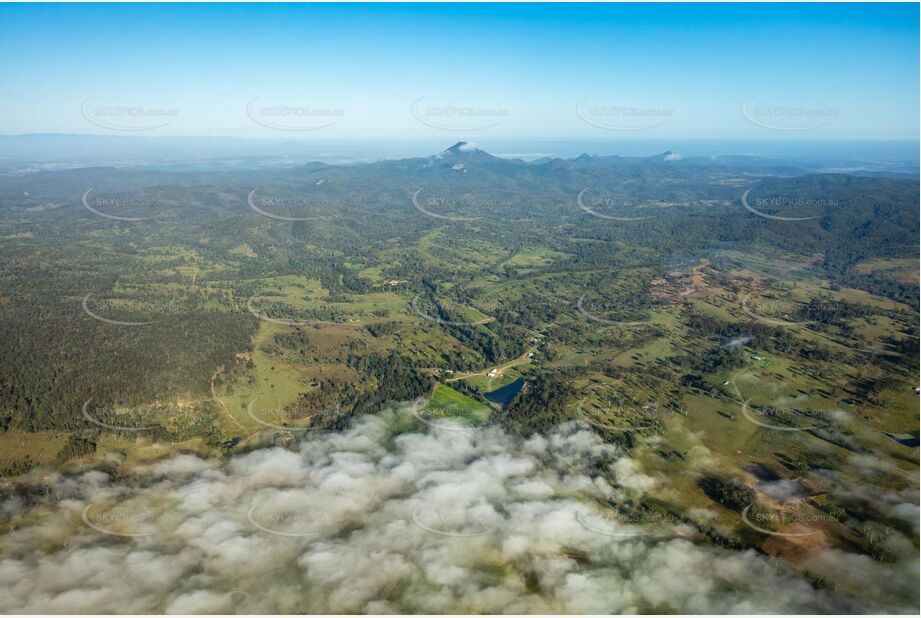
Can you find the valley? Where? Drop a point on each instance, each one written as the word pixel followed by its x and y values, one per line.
pixel 760 370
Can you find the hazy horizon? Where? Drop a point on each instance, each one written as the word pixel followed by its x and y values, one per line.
pixel 871 155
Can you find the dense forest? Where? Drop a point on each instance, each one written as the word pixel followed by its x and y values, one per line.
pixel 126 313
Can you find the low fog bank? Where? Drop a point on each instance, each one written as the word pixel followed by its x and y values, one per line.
pixel 394 515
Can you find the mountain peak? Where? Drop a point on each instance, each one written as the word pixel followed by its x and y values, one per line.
pixel 463 147
pixel 466 151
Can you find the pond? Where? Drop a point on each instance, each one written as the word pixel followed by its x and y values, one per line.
pixel 909 439
pixel 504 395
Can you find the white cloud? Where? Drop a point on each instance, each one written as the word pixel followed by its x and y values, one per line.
pixel 500 534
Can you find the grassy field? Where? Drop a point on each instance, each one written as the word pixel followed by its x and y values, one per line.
pixel 626 378
pixel 38 448
pixel 449 403
pixel 899 270
pixel 273 384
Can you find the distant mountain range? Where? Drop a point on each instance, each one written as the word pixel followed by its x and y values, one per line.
pixel 23 153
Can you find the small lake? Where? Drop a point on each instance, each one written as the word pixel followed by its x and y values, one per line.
pixel 504 395
pixel 909 439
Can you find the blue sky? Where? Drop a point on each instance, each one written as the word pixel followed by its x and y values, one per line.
pixel 824 71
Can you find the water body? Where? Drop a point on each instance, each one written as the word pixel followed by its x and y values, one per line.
pixel 503 396
pixel 909 439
